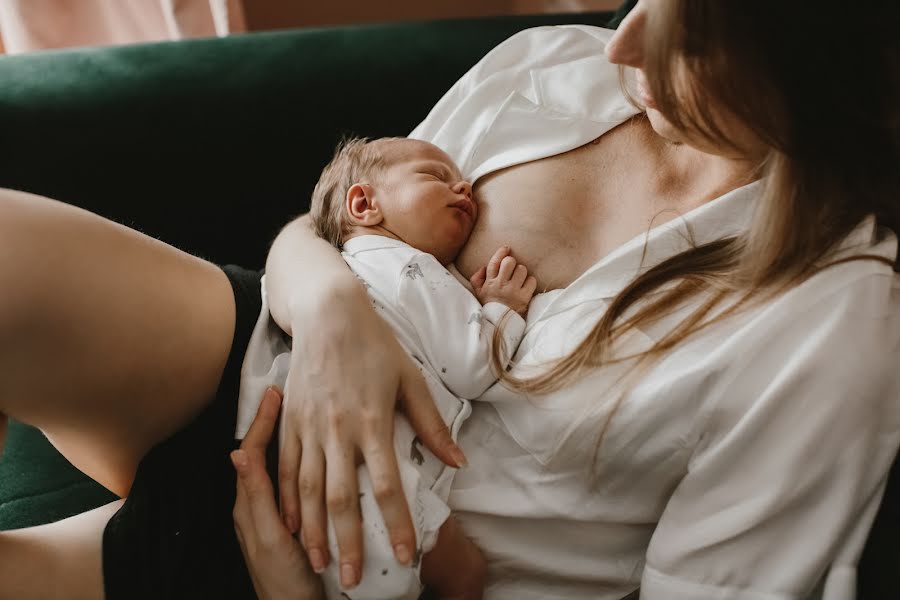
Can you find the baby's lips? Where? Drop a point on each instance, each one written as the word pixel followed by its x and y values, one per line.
pixel 467 206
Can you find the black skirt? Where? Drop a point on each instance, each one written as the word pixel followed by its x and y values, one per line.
pixel 174 536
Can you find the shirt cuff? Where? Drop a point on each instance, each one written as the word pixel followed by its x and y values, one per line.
pixel 494 311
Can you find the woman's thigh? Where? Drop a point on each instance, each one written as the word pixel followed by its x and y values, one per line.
pixel 58 560
pixel 111 340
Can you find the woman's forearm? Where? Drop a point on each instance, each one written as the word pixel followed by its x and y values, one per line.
pixel 304 272
pixel 348 374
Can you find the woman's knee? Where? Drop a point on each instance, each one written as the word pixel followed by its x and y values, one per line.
pixel 105 334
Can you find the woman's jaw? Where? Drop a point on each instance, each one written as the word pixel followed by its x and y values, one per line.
pixel 643 90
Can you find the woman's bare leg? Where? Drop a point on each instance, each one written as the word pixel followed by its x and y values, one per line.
pixel 110 341
pixel 59 560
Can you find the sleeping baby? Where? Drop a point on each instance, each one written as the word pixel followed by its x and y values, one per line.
pixel 400 211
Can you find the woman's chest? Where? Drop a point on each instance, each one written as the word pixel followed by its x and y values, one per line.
pixel 562 213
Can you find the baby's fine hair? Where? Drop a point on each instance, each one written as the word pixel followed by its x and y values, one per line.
pixel 356 160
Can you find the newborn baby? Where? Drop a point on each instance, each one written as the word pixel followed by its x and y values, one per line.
pixel 400 211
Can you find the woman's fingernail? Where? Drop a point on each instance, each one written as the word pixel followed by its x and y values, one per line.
pixel 458 457
pixel 401 551
pixel 348 576
pixel 317 559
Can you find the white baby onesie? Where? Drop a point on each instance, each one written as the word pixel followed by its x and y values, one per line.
pixel 448 333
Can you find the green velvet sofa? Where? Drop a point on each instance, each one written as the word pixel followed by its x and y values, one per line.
pixel 212 145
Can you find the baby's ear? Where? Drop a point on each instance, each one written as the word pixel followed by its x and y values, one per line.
pixel 361 207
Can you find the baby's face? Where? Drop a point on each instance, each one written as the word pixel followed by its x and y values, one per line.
pixel 425 200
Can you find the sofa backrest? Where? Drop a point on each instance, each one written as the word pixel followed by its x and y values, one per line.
pixel 213 144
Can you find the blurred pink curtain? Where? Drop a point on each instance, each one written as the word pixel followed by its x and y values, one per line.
pixel 27 25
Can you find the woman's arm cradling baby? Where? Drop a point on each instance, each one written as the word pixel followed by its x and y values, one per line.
pixel 341 418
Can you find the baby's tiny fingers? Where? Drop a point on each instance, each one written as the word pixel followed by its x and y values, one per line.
pixel 477 280
pixel 530 285
pixel 493 266
pixel 507 266
pixel 519 275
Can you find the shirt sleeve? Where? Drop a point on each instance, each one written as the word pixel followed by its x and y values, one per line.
pixel 455 329
pixel 790 465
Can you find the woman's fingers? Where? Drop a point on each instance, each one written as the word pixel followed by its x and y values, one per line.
pixel 426 421
pixel 388 489
pixel 493 266
pixel 260 433
pixel 312 506
pixel 255 506
pixel 342 500
pixel 289 458
pixel 276 565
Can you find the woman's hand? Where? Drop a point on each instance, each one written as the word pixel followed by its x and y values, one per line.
pixel 277 564
pixel 347 374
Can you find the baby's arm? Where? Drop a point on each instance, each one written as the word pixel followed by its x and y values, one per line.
pixel 456 331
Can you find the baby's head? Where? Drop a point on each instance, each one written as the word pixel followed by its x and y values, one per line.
pixel 407 189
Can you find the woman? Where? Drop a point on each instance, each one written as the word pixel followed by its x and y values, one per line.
pixel 675 466
pixel 734 460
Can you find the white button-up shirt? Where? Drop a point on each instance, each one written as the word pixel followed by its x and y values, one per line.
pixel 747 464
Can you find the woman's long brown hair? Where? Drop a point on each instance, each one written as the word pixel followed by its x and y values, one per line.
pixel 822 97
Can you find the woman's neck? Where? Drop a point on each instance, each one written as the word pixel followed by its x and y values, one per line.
pixel 687 178
pixel 563 213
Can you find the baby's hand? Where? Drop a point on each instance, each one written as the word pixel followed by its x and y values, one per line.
pixel 504 281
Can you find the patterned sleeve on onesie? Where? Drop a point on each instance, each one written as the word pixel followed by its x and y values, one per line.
pixel 456 331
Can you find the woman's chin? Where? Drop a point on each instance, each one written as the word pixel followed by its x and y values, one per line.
pixel 663 127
